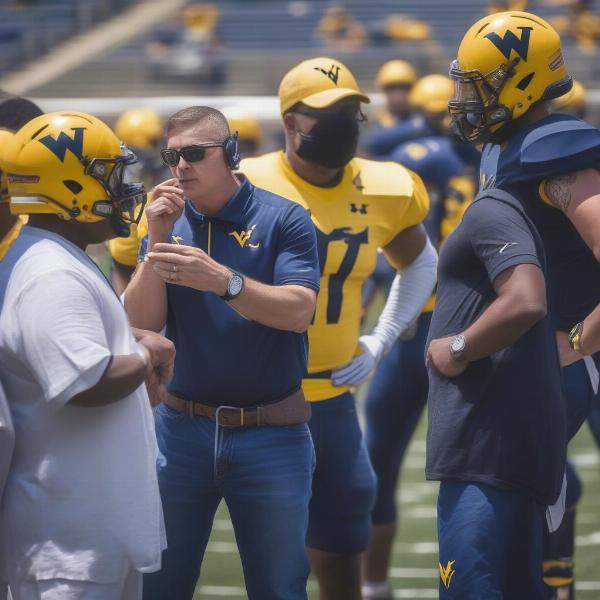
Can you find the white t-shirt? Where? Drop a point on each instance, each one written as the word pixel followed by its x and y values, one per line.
pixel 81 500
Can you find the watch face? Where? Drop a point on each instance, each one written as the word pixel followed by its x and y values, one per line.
pixel 235 285
pixel 458 343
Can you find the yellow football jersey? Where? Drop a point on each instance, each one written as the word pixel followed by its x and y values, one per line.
pixel 125 250
pixel 370 206
pixel 10 237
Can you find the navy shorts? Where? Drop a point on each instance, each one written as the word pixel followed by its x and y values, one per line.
pixel 490 543
pixel 395 401
pixel 343 489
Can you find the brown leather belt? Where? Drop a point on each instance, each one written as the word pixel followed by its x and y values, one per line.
pixel 292 410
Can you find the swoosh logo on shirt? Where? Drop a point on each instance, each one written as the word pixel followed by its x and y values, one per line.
pixel 506 246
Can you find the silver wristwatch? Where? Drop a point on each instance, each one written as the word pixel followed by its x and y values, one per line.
pixel 457 345
pixel 235 286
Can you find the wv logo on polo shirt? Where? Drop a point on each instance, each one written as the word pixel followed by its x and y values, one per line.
pixel 447 573
pixel 511 42
pixel 64 142
pixel 243 237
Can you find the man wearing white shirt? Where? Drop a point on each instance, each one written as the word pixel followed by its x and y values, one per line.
pixel 81 517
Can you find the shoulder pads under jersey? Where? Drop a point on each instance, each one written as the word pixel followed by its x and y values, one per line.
pixel 559 147
pixel 377 178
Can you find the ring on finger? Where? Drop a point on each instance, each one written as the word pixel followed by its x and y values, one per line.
pixel 174 268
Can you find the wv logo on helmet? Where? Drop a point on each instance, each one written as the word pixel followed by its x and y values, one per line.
pixel 511 42
pixel 60 145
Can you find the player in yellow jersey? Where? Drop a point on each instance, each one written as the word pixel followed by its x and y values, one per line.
pixel 357 206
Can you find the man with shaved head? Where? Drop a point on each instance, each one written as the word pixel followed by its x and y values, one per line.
pixel 232 271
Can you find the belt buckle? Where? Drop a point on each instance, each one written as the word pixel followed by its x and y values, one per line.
pixel 189 408
pixel 237 411
pixel 233 409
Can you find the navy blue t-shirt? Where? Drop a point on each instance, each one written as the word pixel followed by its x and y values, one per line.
pixel 502 421
pixel 223 358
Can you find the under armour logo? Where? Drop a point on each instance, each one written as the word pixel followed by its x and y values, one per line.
pixel 333 73
pixel 356 209
pixel 511 42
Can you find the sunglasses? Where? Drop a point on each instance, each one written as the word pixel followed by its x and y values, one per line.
pixel 190 154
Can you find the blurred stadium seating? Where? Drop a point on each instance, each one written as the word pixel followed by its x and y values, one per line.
pixel 253 43
pixel 29 28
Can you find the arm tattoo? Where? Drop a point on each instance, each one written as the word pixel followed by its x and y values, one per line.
pixel 558 190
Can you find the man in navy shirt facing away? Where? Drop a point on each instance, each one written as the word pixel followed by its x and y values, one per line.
pixel 509 66
pixel 496 436
pixel 232 271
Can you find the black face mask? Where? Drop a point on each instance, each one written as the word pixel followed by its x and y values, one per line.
pixel 331 142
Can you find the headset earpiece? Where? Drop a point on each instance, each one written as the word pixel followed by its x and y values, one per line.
pixel 231 150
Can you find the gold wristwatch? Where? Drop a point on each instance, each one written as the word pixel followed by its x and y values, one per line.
pixel 575 337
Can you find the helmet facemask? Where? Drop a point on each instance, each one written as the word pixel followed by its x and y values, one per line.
pixel 475 108
pixel 126 200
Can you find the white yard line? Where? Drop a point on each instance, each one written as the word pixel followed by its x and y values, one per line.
pixel 585 459
pixel 587 586
pixel 418 548
pixel 405 573
pixel 592 539
pixel 416 594
pixel 222 590
pixel 222 547
pixel 222 525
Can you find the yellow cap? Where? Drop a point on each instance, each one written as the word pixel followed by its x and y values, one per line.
pixel 572 101
pixel 432 93
pixel 318 83
pixel 396 72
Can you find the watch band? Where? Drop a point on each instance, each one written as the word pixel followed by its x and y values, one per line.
pixel 575 336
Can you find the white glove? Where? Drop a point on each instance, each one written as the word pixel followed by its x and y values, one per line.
pixel 360 367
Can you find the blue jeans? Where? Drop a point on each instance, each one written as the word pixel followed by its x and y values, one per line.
pixel 263 473
pixel 490 543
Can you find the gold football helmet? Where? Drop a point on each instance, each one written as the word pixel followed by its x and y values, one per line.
pixel 431 94
pixel 507 62
pixel 139 128
pixel 72 165
pixel 396 72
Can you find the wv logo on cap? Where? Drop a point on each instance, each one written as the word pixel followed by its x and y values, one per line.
pixel 60 145
pixel 333 73
pixel 511 42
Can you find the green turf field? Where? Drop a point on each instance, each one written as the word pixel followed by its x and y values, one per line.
pixel 414 570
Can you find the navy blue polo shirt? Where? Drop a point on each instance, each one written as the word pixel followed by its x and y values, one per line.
pixel 502 421
pixel 223 358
